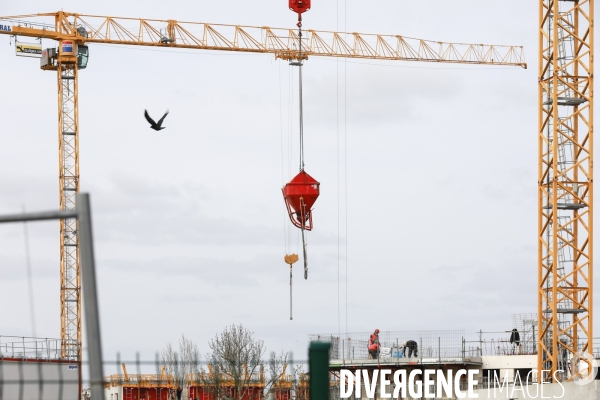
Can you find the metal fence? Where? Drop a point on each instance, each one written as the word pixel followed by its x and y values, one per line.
pixel 34 369
pixel 38 379
pixel 59 368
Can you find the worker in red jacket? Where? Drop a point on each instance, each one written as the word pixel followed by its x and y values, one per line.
pixel 374 344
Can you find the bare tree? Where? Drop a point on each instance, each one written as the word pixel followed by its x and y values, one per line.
pixel 183 364
pixel 278 380
pixel 236 370
pixel 300 383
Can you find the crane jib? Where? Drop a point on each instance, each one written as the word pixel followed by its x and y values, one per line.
pixel 282 42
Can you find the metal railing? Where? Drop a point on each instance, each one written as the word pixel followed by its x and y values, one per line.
pixel 436 345
pixel 29 348
pixel 432 345
pixel 493 344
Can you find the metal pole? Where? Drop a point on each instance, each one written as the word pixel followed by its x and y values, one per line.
pixel 90 297
pixel 38 216
pixel 318 370
pixel 480 343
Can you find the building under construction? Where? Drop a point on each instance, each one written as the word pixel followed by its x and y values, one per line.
pixel 505 362
pixel 209 385
pixel 562 333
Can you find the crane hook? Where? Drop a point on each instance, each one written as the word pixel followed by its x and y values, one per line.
pixel 290 259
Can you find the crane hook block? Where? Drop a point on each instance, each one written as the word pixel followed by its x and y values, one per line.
pixel 299 195
pixel 290 258
pixel 299 6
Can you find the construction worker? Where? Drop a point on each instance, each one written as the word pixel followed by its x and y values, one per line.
pixel 412 348
pixel 374 345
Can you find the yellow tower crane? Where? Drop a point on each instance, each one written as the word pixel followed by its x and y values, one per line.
pixel 75 31
pixel 565 181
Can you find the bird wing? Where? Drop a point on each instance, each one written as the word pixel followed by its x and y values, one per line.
pixel 150 120
pixel 160 121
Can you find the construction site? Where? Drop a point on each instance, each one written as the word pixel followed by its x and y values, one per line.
pixel 450 232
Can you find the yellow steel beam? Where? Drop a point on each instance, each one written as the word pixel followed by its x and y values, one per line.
pixel 125 374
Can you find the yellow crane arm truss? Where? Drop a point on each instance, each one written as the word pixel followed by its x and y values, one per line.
pixel 283 43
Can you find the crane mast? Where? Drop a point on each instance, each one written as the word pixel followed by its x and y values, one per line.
pixel 72 29
pixel 70 276
pixel 565 161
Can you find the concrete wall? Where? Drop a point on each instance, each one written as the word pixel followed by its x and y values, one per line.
pixel 113 393
pixel 507 365
pixel 529 361
pixel 39 380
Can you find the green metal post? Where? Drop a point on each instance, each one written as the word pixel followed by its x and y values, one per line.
pixel 318 370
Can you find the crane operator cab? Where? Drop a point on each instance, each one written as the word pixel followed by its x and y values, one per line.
pixel 83 54
pixel 67 48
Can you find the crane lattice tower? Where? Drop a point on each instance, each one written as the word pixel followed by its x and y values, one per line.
pixel 565 160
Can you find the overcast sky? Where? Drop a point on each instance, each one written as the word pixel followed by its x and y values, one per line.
pixel 427 217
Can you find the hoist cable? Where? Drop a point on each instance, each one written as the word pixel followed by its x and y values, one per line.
pixel 301 115
pixel 346 164
pixel 291 292
pixel 285 239
pixel 337 134
pixel 301 123
pixel 300 93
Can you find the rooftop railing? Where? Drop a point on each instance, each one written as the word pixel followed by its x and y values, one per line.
pixel 438 345
pixel 30 348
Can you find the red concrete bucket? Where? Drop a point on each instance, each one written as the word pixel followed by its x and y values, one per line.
pixel 300 194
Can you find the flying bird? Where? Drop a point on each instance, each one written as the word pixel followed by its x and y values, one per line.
pixel 155 125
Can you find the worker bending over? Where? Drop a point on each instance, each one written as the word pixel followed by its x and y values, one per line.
pixel 374 345
pixel 412 348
